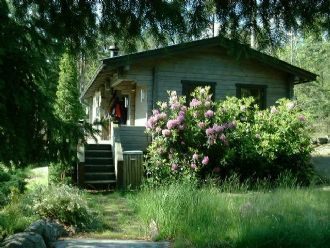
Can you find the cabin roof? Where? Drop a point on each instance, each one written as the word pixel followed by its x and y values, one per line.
pixel 233 48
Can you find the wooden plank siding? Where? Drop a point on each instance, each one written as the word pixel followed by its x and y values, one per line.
pixel 226 72
pixel 132 138
pixel 206 66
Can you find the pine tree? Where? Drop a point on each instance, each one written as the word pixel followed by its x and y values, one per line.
pixel 67 107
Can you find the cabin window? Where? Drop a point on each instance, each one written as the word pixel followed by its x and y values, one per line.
pixel 258 92
pixel 189 86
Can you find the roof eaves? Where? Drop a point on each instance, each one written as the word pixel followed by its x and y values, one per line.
pixel 99 69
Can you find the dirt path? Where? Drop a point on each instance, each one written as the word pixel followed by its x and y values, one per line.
pixel 321 160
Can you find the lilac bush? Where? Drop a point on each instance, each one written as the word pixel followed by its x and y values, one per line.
pixel 218 138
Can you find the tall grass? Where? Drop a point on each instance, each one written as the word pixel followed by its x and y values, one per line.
pixel 208 217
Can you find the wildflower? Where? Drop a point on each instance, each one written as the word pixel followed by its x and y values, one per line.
pixel 209 114
pixel 193 166
pixel 195 103
pixel 166 133
pixel 195 156
pixel 174 167
pixel 205 160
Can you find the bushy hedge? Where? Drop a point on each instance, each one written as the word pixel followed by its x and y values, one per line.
pixel 231 136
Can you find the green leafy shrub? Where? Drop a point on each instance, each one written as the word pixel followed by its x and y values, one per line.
pixel 66 204
pixel 59 173
pixel 225 137
pixel 17 215
pixel 10 179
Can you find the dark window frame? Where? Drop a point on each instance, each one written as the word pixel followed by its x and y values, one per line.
pixel 254 86
pixel 188 84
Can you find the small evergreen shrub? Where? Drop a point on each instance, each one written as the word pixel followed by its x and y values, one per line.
pixel 66 204
pixel 225 137
pixel 10 179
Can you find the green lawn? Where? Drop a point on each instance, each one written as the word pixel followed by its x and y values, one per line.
pixel 120 220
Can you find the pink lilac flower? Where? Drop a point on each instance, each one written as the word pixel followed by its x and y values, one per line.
pixel 195 156
pixel 166 133
pixel 216 169
pixel 151 122
pixel 223 139
pixel 182 113
pixel 193 166
pixel 195 103
pixel 209 114
pixel 183 108
pixel 174 167
pixel 175 105
pixel 273 110
pixel 163 105
pixel 162 116
pixel 209 131
pixel 290 105
pixel 207 104
pixel 180 118
pixel 172 124
pixel 218 129
pixel 201 124
pixel 155 112
pixel 205 160
pixel 158 130
pixel 301 118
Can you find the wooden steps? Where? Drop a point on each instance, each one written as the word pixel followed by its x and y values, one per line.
pixel 99 170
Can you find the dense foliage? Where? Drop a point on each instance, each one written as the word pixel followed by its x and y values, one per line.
pixel 220 138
